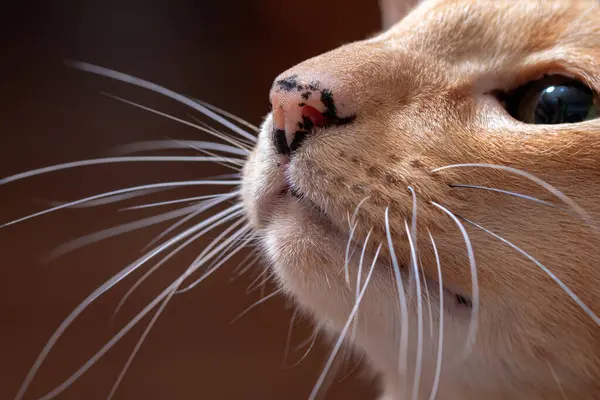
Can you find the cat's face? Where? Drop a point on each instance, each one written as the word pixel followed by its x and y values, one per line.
pixel 367 122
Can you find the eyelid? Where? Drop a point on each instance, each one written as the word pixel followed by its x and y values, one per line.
pixel 525 74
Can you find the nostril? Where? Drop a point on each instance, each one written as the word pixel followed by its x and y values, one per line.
pixel 311 116
pixel 301 105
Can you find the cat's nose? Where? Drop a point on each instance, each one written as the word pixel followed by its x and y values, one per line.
pixel 299 107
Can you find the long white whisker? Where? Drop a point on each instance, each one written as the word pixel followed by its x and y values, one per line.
pixel 136 225
pixel 227 252
pixel 413 233
pixel 438 368
pixel 170 202
pixel 235 142
pixel 125 190
pixel 344 331
pixel 145 334
pixel 351 236
pixel 347 256
pixel 564 198
pixel 403 355
pixel 161 90
pixel 171 288
pixel 118 277
pixel 556 279
pixel 208 224
pixel 508 192
pixel 150 145
pixel 109 200
pixel 114 160
pixel 228 115
pixel 472 335
pixel 241 141
pixel 212 154
pixel 415 267
pixel 139 343
pixel 358 281
pixel 202 207
pixel 219 263
pixel 256 304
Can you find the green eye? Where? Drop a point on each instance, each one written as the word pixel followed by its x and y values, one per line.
pixel 553 100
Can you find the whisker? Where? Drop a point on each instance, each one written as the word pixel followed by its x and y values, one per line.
pixel 256 282
pixel 217 264
pixel 438 368
pixel 118 277
pixel 194 214
pixel 242 268
pixel 347 256
pixel 288 339
pixel 228 115
pixel 556 279
pixel 403 355
pixel 228 253
pixel 474 282
pixel 362 353
pixel 110 200
pixel 350 222
pixel 522 196
pixel 212 154
pixel 235 142
pixel 161 90
pixel 419 361
pixel 358 281
pixel 98 236
pixel 413 233
pixel 170 202
pixel 114 160
pixel 256 304
pixel 138 345
pixel 208 225
pixel 126 190
pixel 242 141
pixel 344 331
pixel 170 144
pixel 170 289
pixel 564 198
pixel 313 340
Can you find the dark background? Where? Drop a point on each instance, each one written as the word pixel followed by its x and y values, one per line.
pixel 226 53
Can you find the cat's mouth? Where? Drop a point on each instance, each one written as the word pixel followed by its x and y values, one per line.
pixel 297 195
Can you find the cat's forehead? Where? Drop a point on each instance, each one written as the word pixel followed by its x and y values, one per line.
pixel 459 28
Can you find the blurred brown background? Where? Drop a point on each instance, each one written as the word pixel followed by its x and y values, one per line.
pixel 226 53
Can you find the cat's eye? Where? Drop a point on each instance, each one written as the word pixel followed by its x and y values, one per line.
pixel 553 100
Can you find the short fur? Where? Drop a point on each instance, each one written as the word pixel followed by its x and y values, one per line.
pixel 422 93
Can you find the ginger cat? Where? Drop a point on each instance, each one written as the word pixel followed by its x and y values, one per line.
pixel 365 149
pixel 430 196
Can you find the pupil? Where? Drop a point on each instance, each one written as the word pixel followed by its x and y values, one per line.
pixel 564 104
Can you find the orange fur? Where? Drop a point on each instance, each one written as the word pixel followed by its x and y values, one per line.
pixel 422 94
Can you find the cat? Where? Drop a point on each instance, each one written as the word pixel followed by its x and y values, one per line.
pixel 429 195
pixel 426 146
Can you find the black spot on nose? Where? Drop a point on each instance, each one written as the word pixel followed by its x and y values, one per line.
pixel 288 84
pixel 280 142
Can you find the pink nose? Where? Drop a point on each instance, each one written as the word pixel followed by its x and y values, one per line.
pixel 298 108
